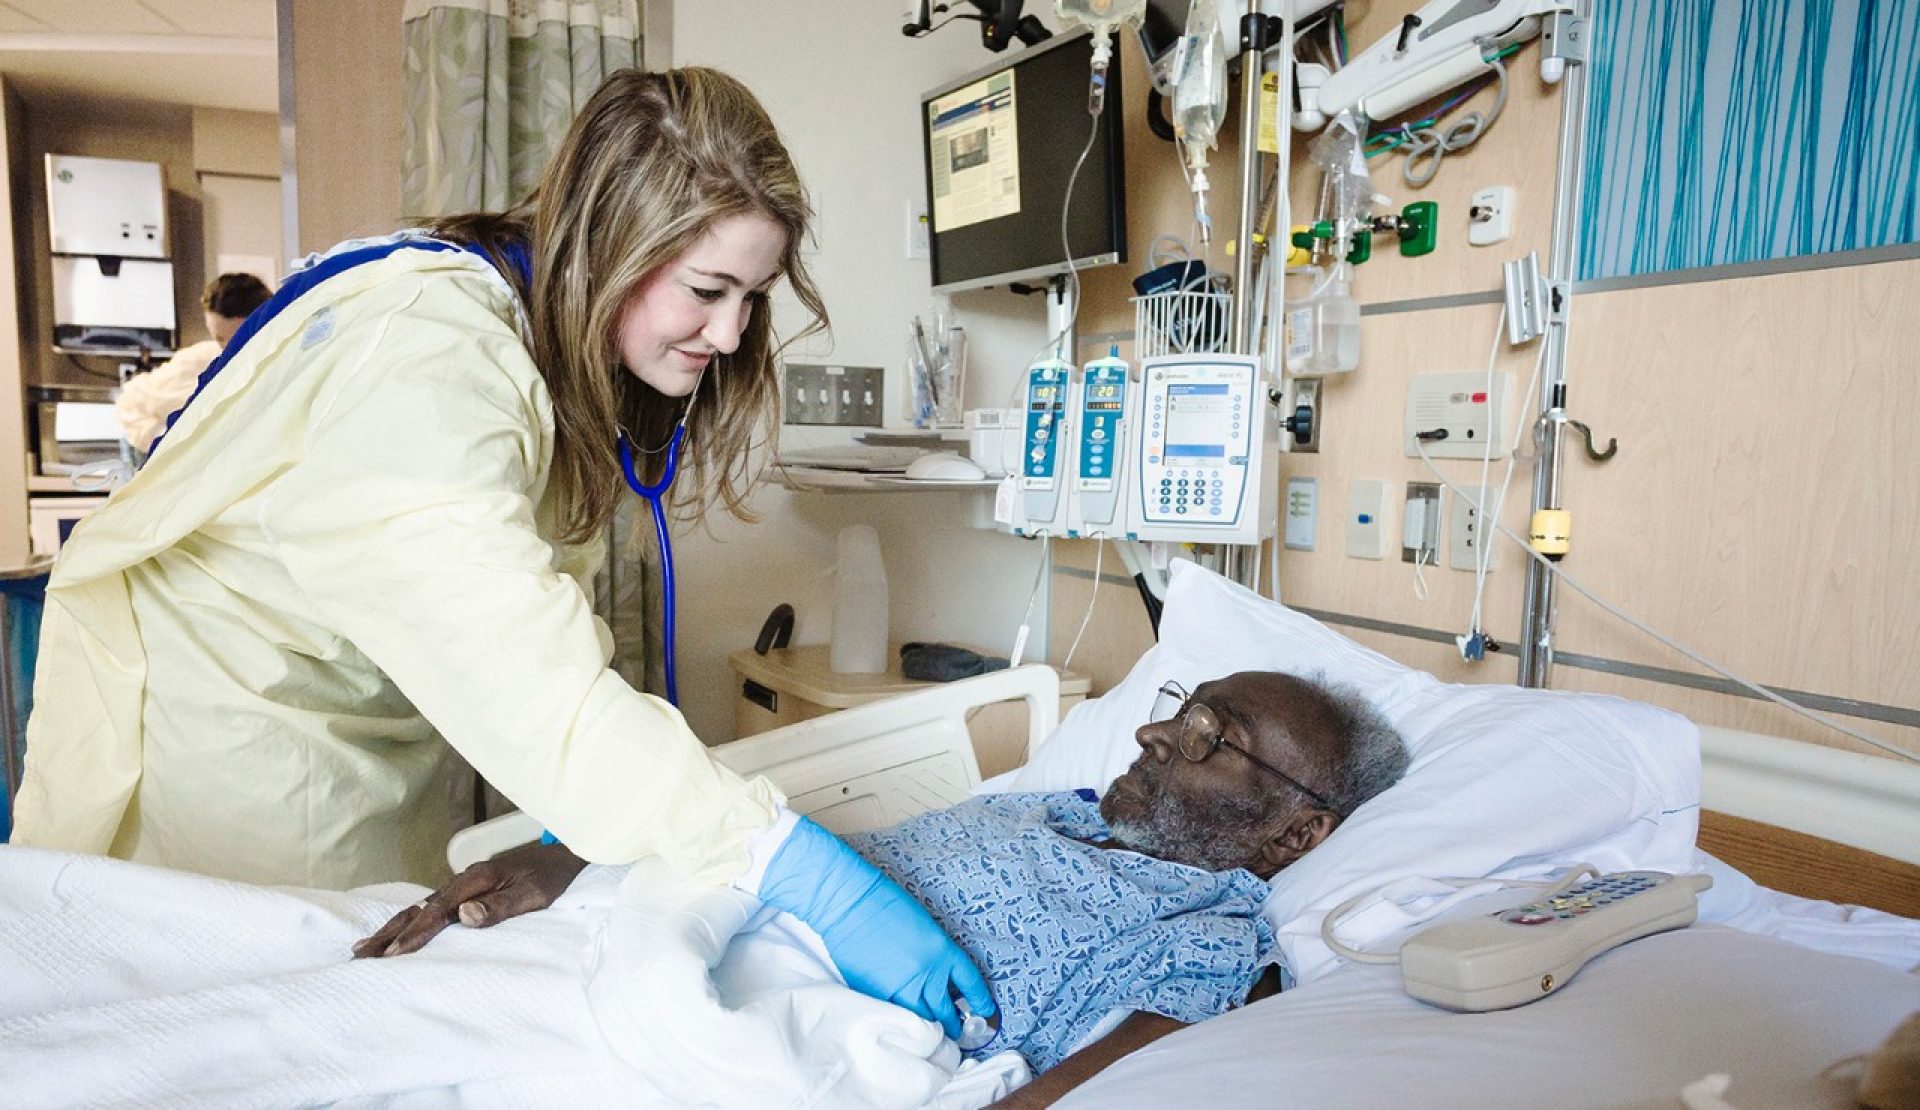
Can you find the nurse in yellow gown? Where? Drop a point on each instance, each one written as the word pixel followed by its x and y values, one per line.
pixel 366 539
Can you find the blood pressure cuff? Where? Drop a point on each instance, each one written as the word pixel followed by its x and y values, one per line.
pixel 944 662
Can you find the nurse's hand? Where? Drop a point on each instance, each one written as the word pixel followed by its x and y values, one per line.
pixel 885 944
pixel 518 880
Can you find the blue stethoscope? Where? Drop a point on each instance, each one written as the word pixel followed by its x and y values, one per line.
pixel 654 495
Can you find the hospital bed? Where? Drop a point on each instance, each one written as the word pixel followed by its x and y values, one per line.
pixel 1758 1001
pixel 1769 990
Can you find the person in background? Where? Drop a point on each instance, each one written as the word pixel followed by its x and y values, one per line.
pixel 367 544
pixel 146 401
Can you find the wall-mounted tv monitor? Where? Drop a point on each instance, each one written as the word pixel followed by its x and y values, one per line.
pixel 1000 145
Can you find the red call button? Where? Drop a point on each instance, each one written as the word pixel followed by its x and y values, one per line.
pixel 1479 398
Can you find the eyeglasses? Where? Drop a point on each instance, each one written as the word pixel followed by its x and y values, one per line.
pixel 1200 735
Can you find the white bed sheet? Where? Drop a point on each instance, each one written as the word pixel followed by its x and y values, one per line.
pixel 129 985
pixel 1637 1025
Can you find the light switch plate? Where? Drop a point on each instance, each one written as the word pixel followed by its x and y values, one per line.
pixel 825 394
pixel 1303 508
pixel 1366 519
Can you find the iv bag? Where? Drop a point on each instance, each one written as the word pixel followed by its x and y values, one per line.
pixel 1104 16
pixel 1339 152
pixel 1200 78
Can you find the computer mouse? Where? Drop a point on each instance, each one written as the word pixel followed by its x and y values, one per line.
pixel 944 466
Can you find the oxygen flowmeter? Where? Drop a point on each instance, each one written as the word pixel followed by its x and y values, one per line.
pixel 1207 447
pixel 1040 508
pixel 1103 454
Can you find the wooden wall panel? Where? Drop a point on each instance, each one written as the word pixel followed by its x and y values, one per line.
pixel 1360 439
pixel 1762 507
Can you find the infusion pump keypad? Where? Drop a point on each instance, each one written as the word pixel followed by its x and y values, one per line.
pixel 1197 442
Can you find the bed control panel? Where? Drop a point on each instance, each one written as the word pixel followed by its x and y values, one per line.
pixel 1521 955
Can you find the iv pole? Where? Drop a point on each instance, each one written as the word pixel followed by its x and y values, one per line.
pixel 1568 37
pixel 1259 33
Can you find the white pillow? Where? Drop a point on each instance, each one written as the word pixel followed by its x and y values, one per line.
pixel 1505 781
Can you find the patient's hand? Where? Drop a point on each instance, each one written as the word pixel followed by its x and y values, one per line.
pixel 519 880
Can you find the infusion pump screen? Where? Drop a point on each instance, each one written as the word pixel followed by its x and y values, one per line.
pixel 1197 421
pixel 1044 397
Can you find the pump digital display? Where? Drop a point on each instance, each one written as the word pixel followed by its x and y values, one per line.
pixel 1198 418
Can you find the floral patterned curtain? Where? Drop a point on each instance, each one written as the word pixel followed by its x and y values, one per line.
pixel 491 86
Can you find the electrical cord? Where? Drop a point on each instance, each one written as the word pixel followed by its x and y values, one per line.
pixel 1019 651
pixel 1486 471
pixel 1427 146
pixel 1578 587
pixel 1483 561
pixel 1073 276
pixel 1093 598
pixel 1338 916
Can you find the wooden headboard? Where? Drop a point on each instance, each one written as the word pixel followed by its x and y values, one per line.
pixel 1812 821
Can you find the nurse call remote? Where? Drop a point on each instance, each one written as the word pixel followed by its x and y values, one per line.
pixel 1521 955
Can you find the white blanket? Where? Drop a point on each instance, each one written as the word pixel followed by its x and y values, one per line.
pixel 129 985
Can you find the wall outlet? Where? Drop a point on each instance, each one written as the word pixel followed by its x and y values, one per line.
pixel 917 228
pixel 846 395
pixel 1420 527
pixel 1467 531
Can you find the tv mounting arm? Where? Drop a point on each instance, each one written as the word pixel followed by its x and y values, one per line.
pixel 1000 21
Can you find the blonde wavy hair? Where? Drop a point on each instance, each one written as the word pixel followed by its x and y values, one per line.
pixel 651 163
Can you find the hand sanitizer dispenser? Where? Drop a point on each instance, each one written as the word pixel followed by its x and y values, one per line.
pixel 112 281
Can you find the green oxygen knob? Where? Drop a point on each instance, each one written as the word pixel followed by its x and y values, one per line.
pixel 1419 225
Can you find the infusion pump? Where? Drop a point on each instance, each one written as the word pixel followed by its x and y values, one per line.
pixel 1184 449
pixel 1040 502
pixel 1208 446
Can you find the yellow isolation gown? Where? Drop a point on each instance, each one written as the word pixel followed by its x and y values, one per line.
pixel 338 563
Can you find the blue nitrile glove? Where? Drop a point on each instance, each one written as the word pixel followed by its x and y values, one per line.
pixel 884 943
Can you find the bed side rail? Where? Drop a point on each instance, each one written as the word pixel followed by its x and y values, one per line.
pixel 854 770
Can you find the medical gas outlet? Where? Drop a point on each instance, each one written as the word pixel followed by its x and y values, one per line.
pixel 1046 447
pixel 1106 400
pixel 1207 447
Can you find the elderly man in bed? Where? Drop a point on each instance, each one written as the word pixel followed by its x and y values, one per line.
pixel 1144 903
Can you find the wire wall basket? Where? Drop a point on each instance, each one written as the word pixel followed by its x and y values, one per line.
pixel 1181 322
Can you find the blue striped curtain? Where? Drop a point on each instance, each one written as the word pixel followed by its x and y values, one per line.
pixel 1722 132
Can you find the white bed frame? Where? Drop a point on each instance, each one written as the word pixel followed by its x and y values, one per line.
pixel 858 769
pixel 869 767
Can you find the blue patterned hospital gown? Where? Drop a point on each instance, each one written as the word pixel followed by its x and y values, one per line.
pixel 1065 931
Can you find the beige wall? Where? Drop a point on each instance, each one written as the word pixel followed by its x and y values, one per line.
pixel 346 109
pixel 241 144
pixel 1761 504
